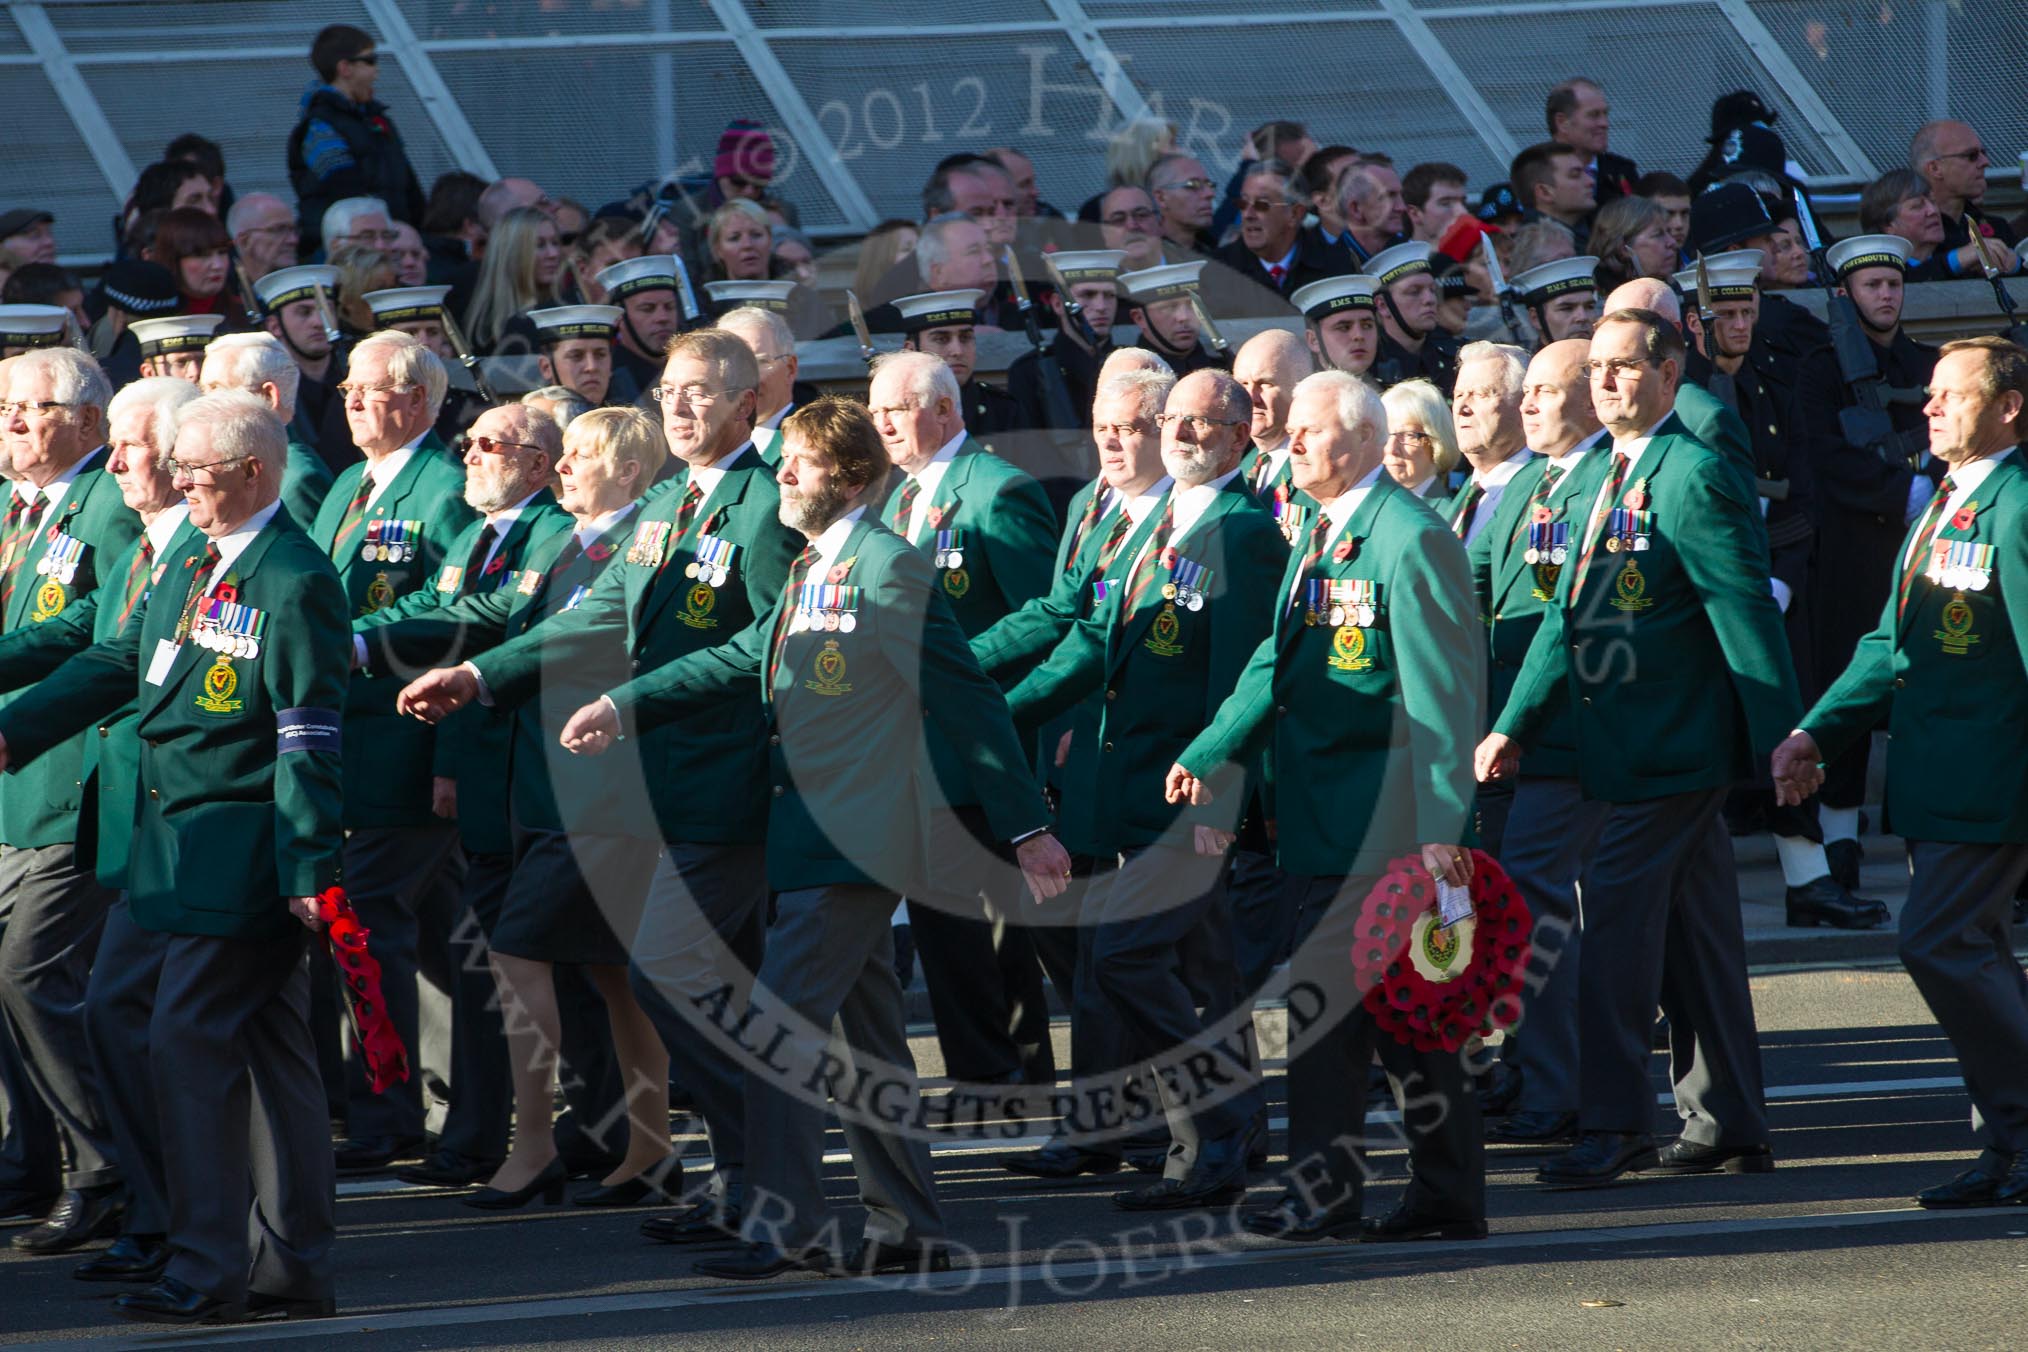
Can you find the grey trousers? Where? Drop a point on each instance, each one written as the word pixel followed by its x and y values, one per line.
pixel 45 959
pixel 1662 925
pixel 695 956
pixel 118 1004
pixel 830 960
pixel 244 1135
pixel 1550 831
pixel 396 877
pixel 31 1159
pixel 1957 948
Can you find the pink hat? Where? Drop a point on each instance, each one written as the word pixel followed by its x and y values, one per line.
pixel 746 151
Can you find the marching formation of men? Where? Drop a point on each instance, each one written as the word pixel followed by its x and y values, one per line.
pixel 637 729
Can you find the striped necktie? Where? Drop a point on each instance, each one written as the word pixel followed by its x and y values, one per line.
pixel 1595 531
pixel 24 517
pixel 1918 553
pixel 1150 561
pixel 786 611
pixel 354 517
pixel 1468 507
pixel 137 581
pixel 1539 498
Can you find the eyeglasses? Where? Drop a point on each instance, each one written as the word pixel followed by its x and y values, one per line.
pixel 1975 154
pixel 365 59
pixel 1138 216
pixel 764 362
pixel 346 392
pixel 1616 366
pixel 1198 423
pixel 1132 429
pixel 485 445
pixel 181 470
pixel 1186 185
pixel 9 409
pixel 1412 436
pixel 1259 205
pixel 694 395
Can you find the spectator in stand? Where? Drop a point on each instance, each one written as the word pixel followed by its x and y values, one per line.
pixel 571 219
pixel 1539 242
pixel 28 235
pixel 519 273
pixel 195 249
pixel 357 220
pixel 1631 238
pixel 1579 117
pixel 161 187
pixel 1317 180
pixel 1671 194
pixel 344 144
pixel 738 242
pixel 884 246
pixel 46 284
pixel 1552 182
pixel 411 259
pixel 451 229
pixel 264 234
pixel 1433 195
pixel 201 151
pixel 604 242
pixel 361 269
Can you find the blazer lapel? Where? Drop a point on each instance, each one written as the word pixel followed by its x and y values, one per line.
pixel 1358 527
pixel 190 656
pixel 728 494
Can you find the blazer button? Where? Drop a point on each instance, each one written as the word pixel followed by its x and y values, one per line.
pixel 774 739
pixel 155 794
pixel 1281 711
pixel 1587 699
pixel 779 790
pixel 1107 747
pixel 1900 684
pixel 104 732
pixel 1112 694
pixel 637 664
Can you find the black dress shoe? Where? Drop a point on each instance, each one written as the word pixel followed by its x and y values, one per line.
pixel 172 1302
pixel 1501 1090
pixel 758 1262
pixel 1405 1223
pixel 708 1222
pixel 1060 1159
pixel 1217 1176
pixel 260 1305
pixel 1293 1218
pixel 548 1184
pixel 1688 1157
pixel 1597 1159
pixel 447 1169
pixel 876 1257
pixel 1996 1180
pixel 640 1190
pixel 80 1216
pixel 16 1205
pixel 369 1154
pixel 137 1260
pixel 1533 1129
pixel 1148 1159
pixel 1845 857
pixel 1828 902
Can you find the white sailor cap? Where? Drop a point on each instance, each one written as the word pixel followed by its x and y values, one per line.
pixel 1403 260
pixel 1320 300
pixel 175 333
pixel 649 272
pixel 1730 275
pixel 286 286
pixel 1847 256
pixel 938 309
pixel 1558 277
pixel 1087 265
pixel 1167 282
pixel 768 295
pixel 560 323
pixel 32 325
pixel 406 304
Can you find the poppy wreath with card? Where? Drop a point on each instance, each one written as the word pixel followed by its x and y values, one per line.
pixel 1435 987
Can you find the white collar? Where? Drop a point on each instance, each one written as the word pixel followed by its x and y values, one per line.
pixel 1568 460
pixel 928 479
pixel 832 540
pixel 167 522
pixel 1633 447
pixel 1188 505
pixel 1138 508
pixel 1421 490
pixel 382 472
pixel 502 521
pixel 1340 508
pixel 1499 474
pixel 1965 480
pixel 588 531
pixel 230 547
pixel 706 477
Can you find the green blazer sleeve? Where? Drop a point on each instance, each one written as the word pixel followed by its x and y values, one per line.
pixel 1541 690
pixel 1241 729
pixel 33 651
pixel 1021 540
pixel 513 670
pixel 1859 700
pixel 1440 655
pixel 696 680
pixel 1071 673
pixel 306 482
pixel 92 684
pixel 306 668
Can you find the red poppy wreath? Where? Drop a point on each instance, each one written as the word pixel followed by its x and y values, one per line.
pixel 1434 987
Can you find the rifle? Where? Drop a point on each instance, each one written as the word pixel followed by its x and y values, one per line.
pixel 1503 292
pixel 2016 329
pixel 1072 311
pixel 327 316
pixel 1056 405
pixel 1209 327
pixel 1864 422
pixel 456 337
pixel 866 349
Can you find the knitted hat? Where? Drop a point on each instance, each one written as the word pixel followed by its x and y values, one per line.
pixel 745 150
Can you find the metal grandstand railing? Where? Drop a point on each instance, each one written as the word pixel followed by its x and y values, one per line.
pixel 591 97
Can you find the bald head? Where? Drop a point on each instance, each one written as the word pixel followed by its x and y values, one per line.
pixel 1556 411
pixel 1268 366
pixel 1645 293
pixel 1125 359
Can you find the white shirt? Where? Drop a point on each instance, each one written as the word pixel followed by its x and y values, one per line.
pixel 1493 485
pixel 382 472
pixel 1187 507
pixel 831 543
pixel 1965 481
pixel 591 530
pixel 1337 511
pixel 769 429
pixel 230 547
pixel 1568 460
pixel 498 524
pixel 163 528
pixel 928 478
pixel 1138 509
pixel 1276 456
pixel 706 477
pixel 53 491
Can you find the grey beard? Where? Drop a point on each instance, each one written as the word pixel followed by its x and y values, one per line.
pixel 812 514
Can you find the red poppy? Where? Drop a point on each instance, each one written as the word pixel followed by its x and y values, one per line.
pixel 836 575
pixel 495 564
pixel 1440 1015
pixel 359 972
pixel 935 517
pixel 1169 557
pixel 1963 517
pixel 226 593
pixel 598 553
pixel 1344 551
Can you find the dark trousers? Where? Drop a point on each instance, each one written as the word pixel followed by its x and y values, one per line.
pixel 1332 1041
pixel 45 959
pixel 31 1159
pixel 700 943
pixel 1662 925
pixel 1956 944
pixel 118 1005
pixel 244 1135
pixel 985 985
pixel 480 1095
pixel 1263 916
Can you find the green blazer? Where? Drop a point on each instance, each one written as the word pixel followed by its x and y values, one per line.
pixel 1514 595
pixel 704 776
pixel 388 758
pixel 1673 658
pixel 1949 675
pixel 845 715
pixel 40 806
pixel 472 744
pixel 306 482
pixel 1707 419
pixel 1162 669
pixel 1369 730
pixel 1006 529
pixel 239 802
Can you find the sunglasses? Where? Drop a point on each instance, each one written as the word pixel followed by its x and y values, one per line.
pixel 370 59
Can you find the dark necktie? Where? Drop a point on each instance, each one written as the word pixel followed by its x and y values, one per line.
pixel 1150 561
pixel 1539 498
pixel 1594 532
pixel 354 517
pixel 199 581
pixel 1925 533
pixel 137 581
pixel 1313 553
pixel 1116 538
pixel 786 611
pixel 1468 507
pixel 24 516
pixel 475 562
pixel 903 501
pixel 1093 509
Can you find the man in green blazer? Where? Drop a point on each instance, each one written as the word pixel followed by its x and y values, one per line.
pixel 238 660
pixel 662 599
pixel 510 457
pixel 65 528
pixel 141 424
pixel 1163 649
pixel 1947 670
pixel 1365 698
pixel 1666 645
pixel 387 526
pixel 988 530
pixel 1550 826
pixel 860 652
pixel 259 364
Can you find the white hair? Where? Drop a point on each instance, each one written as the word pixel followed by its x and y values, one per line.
pixel 341 214
pixel 1353 401
pixel 242 427
pixel 1124 359
pixel 77 379
pixel 930 249
pixel 565 405
pixel 162 398
pixel 247 361
pixel 1513 364
pixel 409 362
pixel 241 215
pixel 1422 402
pixel 750 321
pixel 924 377
pixel 1150 389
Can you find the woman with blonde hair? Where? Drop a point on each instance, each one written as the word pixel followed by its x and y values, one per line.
pixel 885 245
pixel 1134 149
pixel 519 273
pixel 361 268
pixel 1422 446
